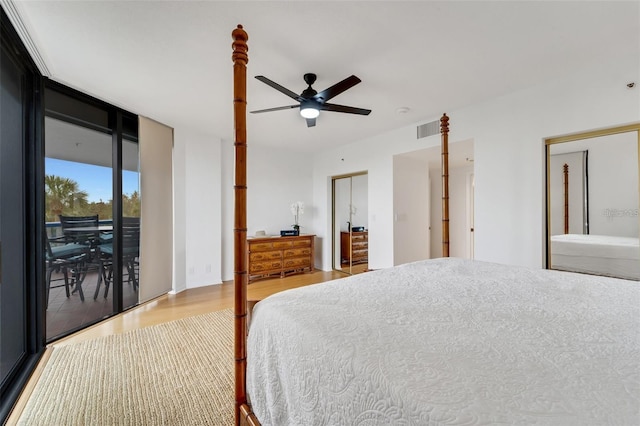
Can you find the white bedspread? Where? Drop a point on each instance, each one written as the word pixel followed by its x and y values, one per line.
pixel 448 342
pixel 597 254
pixel 596 246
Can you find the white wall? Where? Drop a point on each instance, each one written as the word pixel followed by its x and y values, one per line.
pixel 359 200
pixel 613 185
pixel 411 209
pixel 342 200
pixel 508 135
pixel 227 180
pixel 275 179
pixel 197 207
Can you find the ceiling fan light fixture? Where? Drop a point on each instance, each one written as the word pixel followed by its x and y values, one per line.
pixel 309 111
pixel 310 102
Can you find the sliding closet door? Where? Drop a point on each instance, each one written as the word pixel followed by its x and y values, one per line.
pixel 156 228
pixel 350 223
pixel 341 224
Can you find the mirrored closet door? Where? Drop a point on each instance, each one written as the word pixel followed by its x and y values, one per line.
pixel 592 202
pixel 350 223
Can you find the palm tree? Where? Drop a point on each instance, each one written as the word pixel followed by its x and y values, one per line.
pixel 63 196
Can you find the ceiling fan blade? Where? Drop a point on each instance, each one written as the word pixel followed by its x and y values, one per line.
pixel 347 109
pixel 274 109
pixel 338 88
pixel 311 122
pixel 279 88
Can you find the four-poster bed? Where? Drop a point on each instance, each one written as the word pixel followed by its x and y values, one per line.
pixel 443 341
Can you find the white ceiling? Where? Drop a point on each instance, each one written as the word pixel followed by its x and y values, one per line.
pixel 171 60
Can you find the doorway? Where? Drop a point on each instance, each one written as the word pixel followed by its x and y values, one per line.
pixel 417 198
pixel 350 223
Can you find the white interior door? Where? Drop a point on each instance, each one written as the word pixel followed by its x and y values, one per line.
pixel 470 209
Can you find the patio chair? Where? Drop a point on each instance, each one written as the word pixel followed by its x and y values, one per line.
pixel 80 229
pixel 69 259
pixel 130 254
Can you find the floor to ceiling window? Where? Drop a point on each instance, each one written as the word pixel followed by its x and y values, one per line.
pixel 78 178
pixel 130 223
pixel 92 211
pixel 69 212
pixel 20 332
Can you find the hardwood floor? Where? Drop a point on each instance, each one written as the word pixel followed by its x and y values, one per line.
pixel 193 302
pixel 171 307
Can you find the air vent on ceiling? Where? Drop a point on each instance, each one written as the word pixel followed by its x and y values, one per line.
pixel 428 129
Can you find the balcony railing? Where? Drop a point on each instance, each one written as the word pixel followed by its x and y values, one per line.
pixel 54 229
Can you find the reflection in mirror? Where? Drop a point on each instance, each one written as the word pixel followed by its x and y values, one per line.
pixel 592 202
pixel 350 223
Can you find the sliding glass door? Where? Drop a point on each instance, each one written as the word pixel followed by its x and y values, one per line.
pixel 130 223
pixel 12 238
pixel 78 177
pixel 20 332
pixel 92 210
pixel 65 157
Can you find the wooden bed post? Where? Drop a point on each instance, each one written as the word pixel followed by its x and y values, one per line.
pixel 565 172
pixel 444 131
pixel 240 60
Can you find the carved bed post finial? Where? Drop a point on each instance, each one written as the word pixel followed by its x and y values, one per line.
pixel 444 131
pixel 240 60
pixel 240 47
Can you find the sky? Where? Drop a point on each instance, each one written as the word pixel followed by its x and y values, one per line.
pixel 94 180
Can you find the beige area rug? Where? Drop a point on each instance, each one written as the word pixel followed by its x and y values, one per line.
pixel 177 373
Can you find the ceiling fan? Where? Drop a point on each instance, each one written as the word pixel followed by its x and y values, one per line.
pixel 312 102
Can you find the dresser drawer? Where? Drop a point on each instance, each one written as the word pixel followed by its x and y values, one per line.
pixel 257 267
pixel 305 251
pixel 305 242
pixel 258 256
pixel 360 254
pixel 282 244
pixel 260 246
pixel 296 262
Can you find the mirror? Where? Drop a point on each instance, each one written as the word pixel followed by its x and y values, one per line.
pixel 350 223
pixel 592 202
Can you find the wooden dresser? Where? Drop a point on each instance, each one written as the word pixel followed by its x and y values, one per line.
pixel 354 248
pixel 279 256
